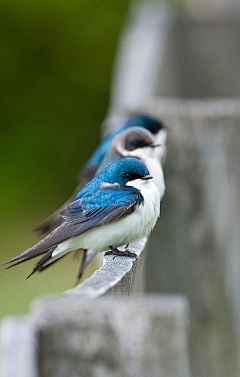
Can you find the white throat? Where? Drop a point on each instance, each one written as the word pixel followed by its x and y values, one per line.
pixel 141 184
pixel 140 152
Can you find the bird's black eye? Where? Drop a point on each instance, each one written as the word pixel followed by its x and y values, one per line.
pixel 139 143
pixel 132 176
pixel 135 143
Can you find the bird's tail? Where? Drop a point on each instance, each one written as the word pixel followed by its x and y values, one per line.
pixel 45 261
pixel 46 244
pixel 87 258
pixel 25 256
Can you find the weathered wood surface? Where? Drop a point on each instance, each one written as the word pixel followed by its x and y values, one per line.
pixel 140 53
pixel 118 275
pixel 114 337
pixel 19 347
pixel 201 58
pixel 72 336
pixel 202 199
pixel 203 9
pixel 199 230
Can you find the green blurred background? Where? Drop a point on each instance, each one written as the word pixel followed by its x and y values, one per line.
pixel 55 71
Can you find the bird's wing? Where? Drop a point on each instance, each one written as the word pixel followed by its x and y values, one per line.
pixel 84 175
pixel 105 205
pixel 53 221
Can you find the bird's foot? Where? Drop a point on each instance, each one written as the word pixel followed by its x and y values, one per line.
pixel 117 253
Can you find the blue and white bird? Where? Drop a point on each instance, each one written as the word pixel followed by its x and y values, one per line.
pixel 159 133
pixel 119 206
pixel 156 127
pixel 139 143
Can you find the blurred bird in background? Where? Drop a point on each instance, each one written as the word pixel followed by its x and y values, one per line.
pixel 154 126
pixel 121 204
pixel 139 143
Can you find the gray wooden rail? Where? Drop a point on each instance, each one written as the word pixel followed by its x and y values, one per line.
pixel 186 71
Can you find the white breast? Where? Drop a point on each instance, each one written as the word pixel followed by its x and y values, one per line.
pixel 130 228
pixel 121 232
pixel 147 214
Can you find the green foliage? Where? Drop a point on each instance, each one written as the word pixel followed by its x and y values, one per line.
pixel 55 70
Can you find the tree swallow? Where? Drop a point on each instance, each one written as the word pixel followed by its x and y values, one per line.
pixel 139 143
pixel 156 127
pixel 158 131
pixel 120 205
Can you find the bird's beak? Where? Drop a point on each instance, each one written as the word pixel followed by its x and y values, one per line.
pixel 146 177
pixel 155 145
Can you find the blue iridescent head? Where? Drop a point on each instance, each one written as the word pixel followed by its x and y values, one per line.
pixel 151 124
pixel 124 171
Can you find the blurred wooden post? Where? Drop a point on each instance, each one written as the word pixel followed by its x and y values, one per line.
pixel 75 334
pixel 205 8
pixel 196 246
pixel 113 337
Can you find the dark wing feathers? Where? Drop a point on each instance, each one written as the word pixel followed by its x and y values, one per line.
pixel 55 220
pixel 82 215
pixel 40 264
pixel 59 235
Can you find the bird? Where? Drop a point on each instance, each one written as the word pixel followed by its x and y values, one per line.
pixel 121 204
pixel 157 128
pixel 139 143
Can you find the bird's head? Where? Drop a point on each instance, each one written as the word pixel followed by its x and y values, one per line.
pixel 125 171
pixel 146 121
pixel 135 142
pixel 157 128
